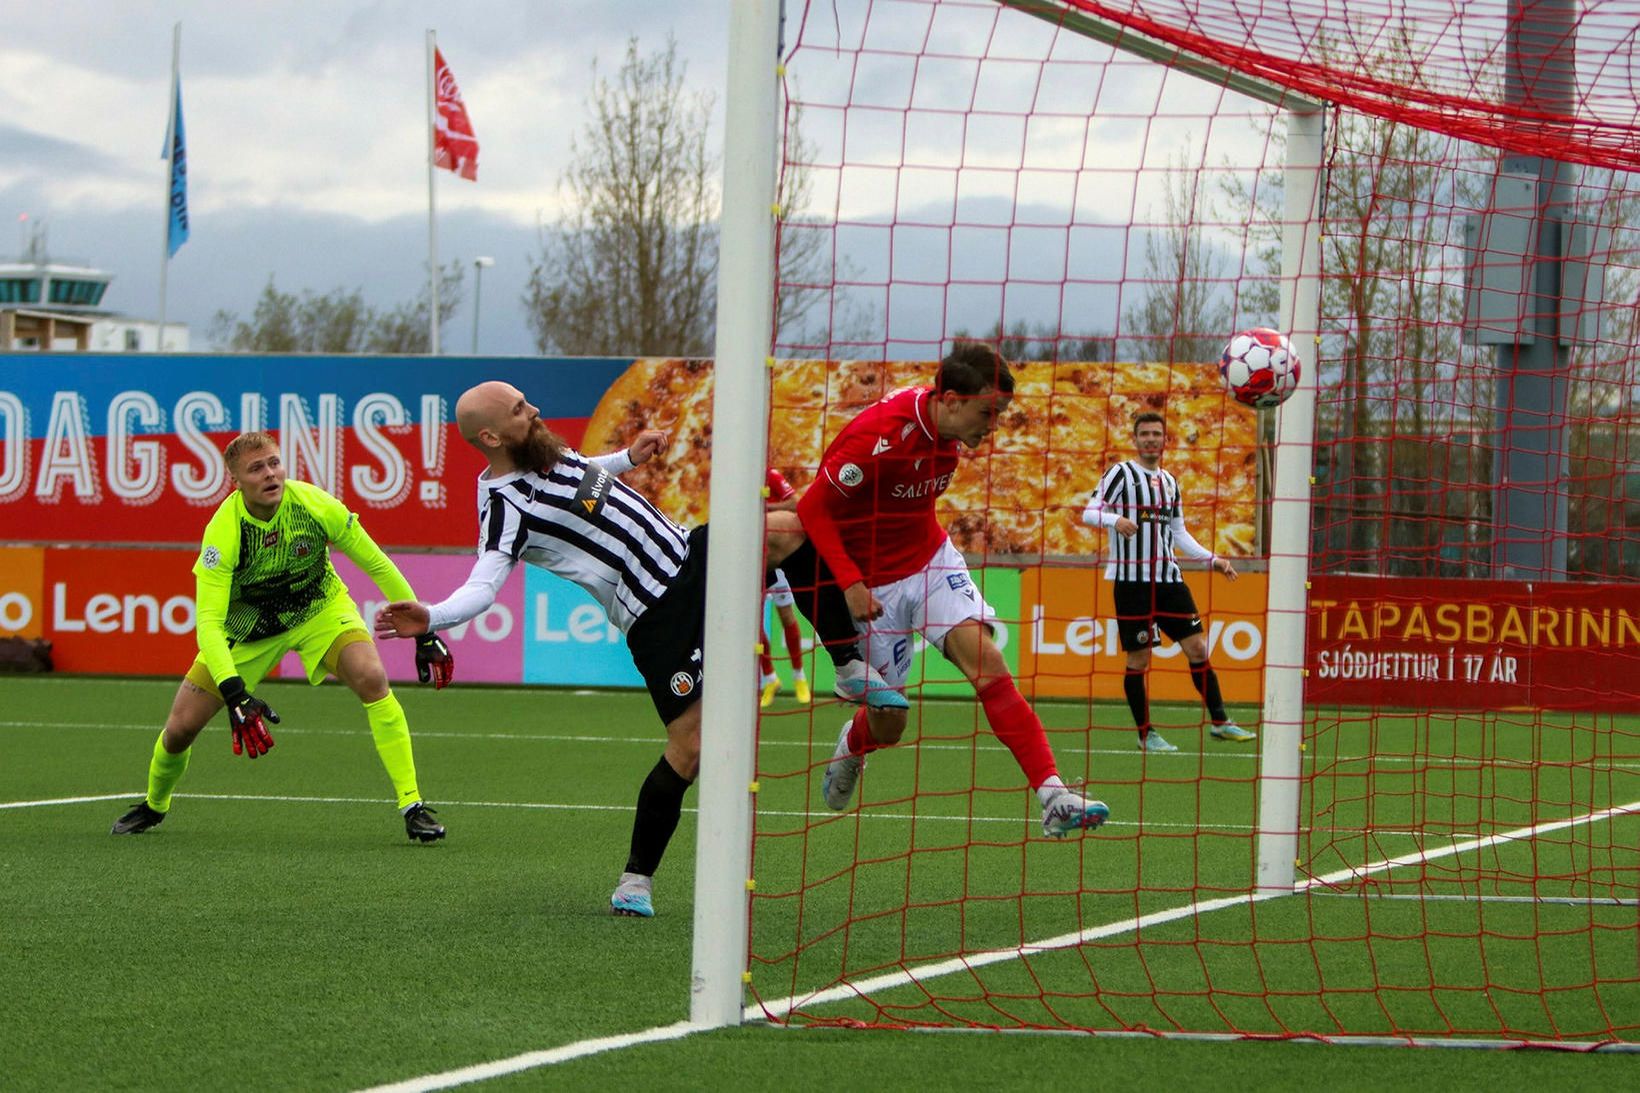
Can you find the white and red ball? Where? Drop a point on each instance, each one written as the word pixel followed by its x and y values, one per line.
pixel 1260 368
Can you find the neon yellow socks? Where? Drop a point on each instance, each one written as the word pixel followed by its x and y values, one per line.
pixel 164 772
pixel 392 732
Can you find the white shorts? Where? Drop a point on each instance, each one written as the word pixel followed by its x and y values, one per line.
pixel 929 603
pixel 780 591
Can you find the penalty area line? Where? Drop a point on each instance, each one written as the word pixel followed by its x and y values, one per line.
pixel 816 817
pixel 531 1060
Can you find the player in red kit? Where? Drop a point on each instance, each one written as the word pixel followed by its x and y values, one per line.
pixel 870 515
pixel 782 498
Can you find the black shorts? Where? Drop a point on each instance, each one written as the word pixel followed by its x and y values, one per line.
pixel 666 640
pixel 1142 608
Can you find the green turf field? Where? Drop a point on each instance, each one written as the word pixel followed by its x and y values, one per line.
pixel 278 931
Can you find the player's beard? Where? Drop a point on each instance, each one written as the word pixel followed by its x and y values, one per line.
pixel 538 450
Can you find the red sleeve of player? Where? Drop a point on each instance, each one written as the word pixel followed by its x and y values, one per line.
pixel 842 493
pixel 779 488
pixel 814 509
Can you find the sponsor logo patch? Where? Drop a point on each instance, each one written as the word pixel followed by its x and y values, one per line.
pixel 590 496
pixel 270 539
pixel 882 446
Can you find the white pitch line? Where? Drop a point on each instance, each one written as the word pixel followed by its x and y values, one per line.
pixel 817 745
pixel 550 806
pixel 1216 755
pixel 70 800
pixel 869 815
pixel 529 1061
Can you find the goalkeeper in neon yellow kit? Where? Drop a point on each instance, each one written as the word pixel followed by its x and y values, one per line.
pixel 265 587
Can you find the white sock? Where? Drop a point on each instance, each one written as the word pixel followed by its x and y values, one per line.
pixel 1050 789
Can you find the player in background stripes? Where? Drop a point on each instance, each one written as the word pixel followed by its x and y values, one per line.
pixel 782 498
pixel 870 515
pixel 265 587
pixel 1138 502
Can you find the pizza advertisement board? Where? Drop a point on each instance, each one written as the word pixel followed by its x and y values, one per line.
pixel 1021 495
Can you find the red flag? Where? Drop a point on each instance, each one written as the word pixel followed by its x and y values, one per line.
pixel 454 145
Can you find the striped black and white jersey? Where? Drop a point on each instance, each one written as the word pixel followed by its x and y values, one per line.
pixel 1150 498
pixel 580 522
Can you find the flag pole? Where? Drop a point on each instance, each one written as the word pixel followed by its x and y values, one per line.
pixel 432 230
pixel 170 180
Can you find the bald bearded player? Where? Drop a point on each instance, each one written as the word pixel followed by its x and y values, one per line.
pixel 542 502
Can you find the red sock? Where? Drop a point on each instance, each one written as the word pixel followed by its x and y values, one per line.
pixel 1017 726
pixel 860 740
pixel 764 661
pixel 794 642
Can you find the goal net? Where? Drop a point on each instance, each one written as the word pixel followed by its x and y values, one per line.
pixel 1437 579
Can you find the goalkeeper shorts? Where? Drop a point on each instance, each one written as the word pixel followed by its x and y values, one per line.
pixel 318 641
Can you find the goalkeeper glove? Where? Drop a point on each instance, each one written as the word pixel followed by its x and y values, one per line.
pixel 246 714
pixel 433 661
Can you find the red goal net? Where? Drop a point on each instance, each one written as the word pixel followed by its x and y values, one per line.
pixel 1099 190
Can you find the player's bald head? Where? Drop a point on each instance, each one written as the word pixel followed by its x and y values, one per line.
pixel 485 407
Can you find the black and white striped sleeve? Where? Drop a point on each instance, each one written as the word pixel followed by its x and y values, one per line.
pixel 1103 509
pixel 503 527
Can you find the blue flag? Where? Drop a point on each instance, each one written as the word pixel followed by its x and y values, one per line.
pixel 176 232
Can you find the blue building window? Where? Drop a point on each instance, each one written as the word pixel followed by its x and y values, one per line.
pixel 19 290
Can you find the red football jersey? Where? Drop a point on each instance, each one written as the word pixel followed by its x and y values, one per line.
pixel 870 511
pixel 779 488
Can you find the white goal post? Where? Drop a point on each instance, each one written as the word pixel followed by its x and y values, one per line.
pixel 734 562
pixel 740 411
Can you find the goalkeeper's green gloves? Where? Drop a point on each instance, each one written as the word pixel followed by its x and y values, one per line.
pixel 247 715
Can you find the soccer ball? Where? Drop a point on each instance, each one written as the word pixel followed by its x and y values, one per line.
pixel 1260 368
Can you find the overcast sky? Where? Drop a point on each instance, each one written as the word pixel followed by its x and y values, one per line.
pixel 306 126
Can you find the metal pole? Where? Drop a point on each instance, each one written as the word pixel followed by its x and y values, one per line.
pixel 170 168
pixel 479 265
pixel 432 221
pixel 1282 729
pixel 1530 471
pixel 734 572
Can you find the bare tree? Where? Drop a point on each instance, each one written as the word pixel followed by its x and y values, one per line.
pixel 1182 313
pixel 813 308
pixel 1402 403
pixel 403 329
pixel 631 265
pixel 338 321
pixel 1023 342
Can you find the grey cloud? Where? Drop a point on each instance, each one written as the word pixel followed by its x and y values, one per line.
pixel 42 155
pixel 247 37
